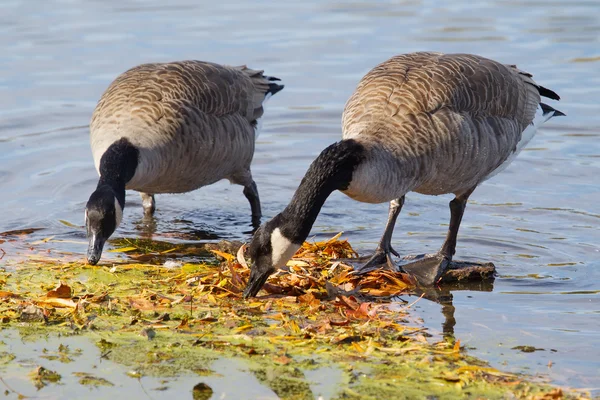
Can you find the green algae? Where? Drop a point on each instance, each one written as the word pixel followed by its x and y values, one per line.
pixel 202 392
pixel 88 379
pixel 42 377
pixel 168 322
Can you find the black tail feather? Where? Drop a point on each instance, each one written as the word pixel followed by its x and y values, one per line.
pixel 548 93
pixel 547 109
pixel 273 87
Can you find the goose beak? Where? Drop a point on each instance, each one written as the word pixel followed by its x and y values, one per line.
pixel 256 281
pixel 95 249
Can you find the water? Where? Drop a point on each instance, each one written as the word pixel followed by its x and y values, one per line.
pixel 538 221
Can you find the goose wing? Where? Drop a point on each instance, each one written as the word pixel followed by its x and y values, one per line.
pixel 412 87
pixel 169 97
pixel 446 122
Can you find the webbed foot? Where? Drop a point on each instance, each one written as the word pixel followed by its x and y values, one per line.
pixel 381 259
pixel 427 269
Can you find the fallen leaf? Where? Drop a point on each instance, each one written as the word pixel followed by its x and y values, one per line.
pixel 240 256
pixel 56 302
pixel 228 257
pixel 62 291
pixel 8 295
pixel 456 348
pixel 141 303
pixel 284 360
pixel 309 299
pixel 122 249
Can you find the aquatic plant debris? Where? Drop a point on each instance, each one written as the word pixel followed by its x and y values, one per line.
pixel 168 321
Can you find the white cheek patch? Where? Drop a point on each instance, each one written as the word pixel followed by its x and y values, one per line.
pixel 118 213
pixel 282 249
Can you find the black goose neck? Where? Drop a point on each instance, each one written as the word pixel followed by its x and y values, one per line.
pixel 117 167
pixel 331 170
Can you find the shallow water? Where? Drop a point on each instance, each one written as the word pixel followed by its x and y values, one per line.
pixel 538 221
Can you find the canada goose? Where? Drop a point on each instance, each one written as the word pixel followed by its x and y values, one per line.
pixel 426 122
pixel 173 128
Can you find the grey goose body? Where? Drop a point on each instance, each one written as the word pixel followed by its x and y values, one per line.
pixel 172 128
pixel 426 122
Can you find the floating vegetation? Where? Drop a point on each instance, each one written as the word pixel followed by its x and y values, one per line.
pixel 178 318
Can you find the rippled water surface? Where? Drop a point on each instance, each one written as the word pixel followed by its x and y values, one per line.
pixel 538 221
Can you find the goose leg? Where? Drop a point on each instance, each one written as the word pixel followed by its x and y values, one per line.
pixel 251 193
pixel 429 269
pixel 457 209
pixel 148 204
pixel 382 253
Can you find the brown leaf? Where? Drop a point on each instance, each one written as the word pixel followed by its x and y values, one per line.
pixel 348 302
pixel 362 312
pixel 62 291
pixel 284 360
pixel 183 324
pixel 237 283
pixel 98 298
pixel 309 299
pixel 8 295
pixel 340 322
pixel 456 348
pixel 141 303
pixel 19 232
pixel 555 394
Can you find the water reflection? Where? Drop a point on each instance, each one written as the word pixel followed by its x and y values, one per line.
pixel 442 295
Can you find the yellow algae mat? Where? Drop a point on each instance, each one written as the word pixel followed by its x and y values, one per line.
pixel 176 318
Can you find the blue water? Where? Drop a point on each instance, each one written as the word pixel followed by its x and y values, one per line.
pixel 538 221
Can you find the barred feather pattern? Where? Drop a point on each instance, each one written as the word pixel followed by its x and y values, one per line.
pixel 193 123
pixel 436 123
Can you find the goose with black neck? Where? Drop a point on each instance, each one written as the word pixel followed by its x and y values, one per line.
pixel 426 122
pixel 173 128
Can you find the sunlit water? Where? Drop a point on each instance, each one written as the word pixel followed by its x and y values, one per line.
pixel 537 221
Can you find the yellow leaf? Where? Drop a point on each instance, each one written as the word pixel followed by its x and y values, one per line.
pixel 168 251
pixel 334 239
pixel 297 263
pixel 293 326
pixel 67 223
pixel 122 249
pixel 56 302
pixel 242 328
pixel 226 256
pixel 45 240
pixel 223 282
pixel 358 347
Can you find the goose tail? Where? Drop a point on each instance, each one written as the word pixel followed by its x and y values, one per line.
pixel 274 87
pixel 266 86
pixel 547 111
pixel 550 112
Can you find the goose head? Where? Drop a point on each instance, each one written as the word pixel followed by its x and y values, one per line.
pixel 276 241
pixel 269 250
pixel 103 214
